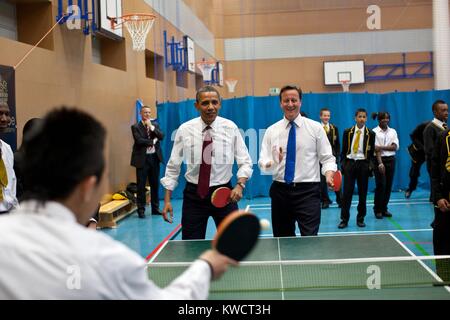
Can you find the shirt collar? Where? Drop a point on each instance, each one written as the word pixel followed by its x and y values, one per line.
pixel 212 125
pixel 51 209
pixel 298 121
pixel 363 129
pixel 438 122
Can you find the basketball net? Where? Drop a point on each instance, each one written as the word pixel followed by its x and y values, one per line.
pixel 345 85
pixel 231 84
pixel 138 26
pixel 206 67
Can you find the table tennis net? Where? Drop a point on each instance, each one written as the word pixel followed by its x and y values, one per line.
pixel 364 273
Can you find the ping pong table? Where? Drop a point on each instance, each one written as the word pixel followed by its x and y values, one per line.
pixel 275 282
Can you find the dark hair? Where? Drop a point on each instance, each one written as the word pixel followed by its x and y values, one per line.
pixel 360 110
pixel 206 89
pixel 436 103
pixel 380 115
pixel 324 109
pixel 31 125
pixel 65 149
pixel 289 87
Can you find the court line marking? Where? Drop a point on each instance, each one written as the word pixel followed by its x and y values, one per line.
pixel 433 274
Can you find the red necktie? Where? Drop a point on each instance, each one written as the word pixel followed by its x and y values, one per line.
pixel 205 167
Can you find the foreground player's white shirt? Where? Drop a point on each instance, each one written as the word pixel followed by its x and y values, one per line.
pixel 312 147
pixel 46 254
pixel 227 146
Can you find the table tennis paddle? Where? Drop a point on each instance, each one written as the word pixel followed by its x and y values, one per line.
pixel 221 197
pixel 337 180
pixel 237 234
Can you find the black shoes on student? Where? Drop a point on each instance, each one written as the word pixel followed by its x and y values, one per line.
pixel 408 193
pixel 344 224
pixel 380 215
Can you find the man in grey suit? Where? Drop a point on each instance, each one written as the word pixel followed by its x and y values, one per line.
pixel 146 157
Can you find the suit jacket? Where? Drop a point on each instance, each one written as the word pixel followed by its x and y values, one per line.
pixel 142 142
pixel 440 176
pixel 368 147
pixel 430 135
pixel 333 137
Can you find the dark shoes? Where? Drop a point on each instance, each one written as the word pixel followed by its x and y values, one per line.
pixel 360 224
pixel 141 214
pixel 325 205
pixel 378 215
pixel 408 193
pixel 387 214
pixel 342 225
pixel 157 213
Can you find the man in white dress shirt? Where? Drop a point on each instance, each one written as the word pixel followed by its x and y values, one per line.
pixel 386 144
pixel 208 145
pixel 46 250
pixel 292 149
pixel 8 181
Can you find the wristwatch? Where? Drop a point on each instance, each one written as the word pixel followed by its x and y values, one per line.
pixel 241 184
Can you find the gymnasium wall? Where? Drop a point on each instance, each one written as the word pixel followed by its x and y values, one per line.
pixel 67 69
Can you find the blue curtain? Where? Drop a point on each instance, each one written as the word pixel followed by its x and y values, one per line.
pixel 254 114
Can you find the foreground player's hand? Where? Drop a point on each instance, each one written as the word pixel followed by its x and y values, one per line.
pixel 329 178
pixel 219 263
pixel 443 205
pixel 236 193
pixel 167 212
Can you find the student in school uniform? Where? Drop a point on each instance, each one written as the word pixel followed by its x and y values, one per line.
pixel 358 147
pixel 386 144
pixel 333 137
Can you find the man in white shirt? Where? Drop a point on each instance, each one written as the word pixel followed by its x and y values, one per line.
pixel 386 144
pixel 48 253
pixel 208 145
pixel 8 181
pixel 292 150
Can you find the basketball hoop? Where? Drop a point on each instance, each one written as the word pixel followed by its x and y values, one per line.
pixel 206 67
pixel 231 84
pixel 138 26
pixel 345 85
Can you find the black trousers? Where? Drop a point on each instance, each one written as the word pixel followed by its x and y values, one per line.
pixel 414 174
pixel 384 185
pixel 149 171
pixel 441 242
pixel 293 203
pixel 355 171
pixel 196 212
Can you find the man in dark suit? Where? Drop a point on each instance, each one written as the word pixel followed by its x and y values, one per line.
pixel 357 161
pixel 417 154
pixel 333 137
pixel 440 183
pixel 432 132
pixel 146 157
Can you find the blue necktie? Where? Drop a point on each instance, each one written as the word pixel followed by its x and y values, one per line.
pixel 289 170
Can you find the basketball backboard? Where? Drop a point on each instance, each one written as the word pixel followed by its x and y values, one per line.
pixel 337 71
pixel 108 9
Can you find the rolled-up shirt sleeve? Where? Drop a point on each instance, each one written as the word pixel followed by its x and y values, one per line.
pixel 173 168
pixel 242 157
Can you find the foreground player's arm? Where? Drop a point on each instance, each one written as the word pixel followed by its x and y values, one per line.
pixel 245 165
